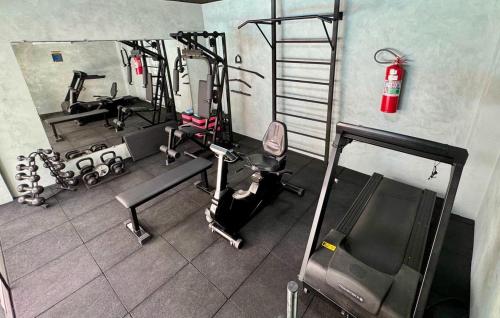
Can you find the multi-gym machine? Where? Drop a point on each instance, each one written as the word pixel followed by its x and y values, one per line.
pixel 212 123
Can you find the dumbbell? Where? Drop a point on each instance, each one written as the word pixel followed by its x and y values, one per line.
pixel 24 176
pixel 72 181
pixel 31 168
pixel 66 174
pixel 55 157
pixel 55 166
pixel 22 158
pixel 23 187
pixel 36 201
pixel 45 151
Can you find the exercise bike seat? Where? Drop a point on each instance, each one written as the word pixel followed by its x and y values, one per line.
pixel 275 145
pixel 262 162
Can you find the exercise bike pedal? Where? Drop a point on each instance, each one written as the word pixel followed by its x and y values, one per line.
pixel 233 241
pixel 293 188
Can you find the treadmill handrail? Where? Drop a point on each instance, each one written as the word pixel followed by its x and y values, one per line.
pixel 454 156
pixel 403 143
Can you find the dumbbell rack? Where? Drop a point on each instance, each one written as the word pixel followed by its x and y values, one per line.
pixel 32 192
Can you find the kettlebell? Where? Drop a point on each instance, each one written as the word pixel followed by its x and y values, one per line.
pixel 84 169
pixel 91 178
pixel 87 172
pixel 114 163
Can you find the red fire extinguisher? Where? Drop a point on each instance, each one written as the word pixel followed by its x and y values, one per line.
pixel 138 65
pixel 394 75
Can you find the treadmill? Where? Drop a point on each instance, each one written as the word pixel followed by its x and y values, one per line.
pixel 76 87
pixel 380 259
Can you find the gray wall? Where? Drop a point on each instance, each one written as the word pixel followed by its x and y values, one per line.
pixel 48 81
pixel 451 95
pixel 450 68
pixel 65 21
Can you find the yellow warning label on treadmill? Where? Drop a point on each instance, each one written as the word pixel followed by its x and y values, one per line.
pixel 329 246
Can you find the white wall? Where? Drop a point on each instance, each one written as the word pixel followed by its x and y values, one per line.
pixel 48 81
pixel 69 20
pixel 451 46
pixel 485 282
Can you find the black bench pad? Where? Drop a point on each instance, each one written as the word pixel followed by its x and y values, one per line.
pixel 62 119
pixel 144 192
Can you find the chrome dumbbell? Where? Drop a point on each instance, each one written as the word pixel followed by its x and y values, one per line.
pixel 23 187
pixel 23 176
pixel 23 167
pixel 36 201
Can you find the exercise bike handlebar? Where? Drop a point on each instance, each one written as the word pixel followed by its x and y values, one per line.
pixel 229 154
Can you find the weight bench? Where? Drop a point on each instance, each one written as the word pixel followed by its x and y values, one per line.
pixel 134 197
pixel 62 119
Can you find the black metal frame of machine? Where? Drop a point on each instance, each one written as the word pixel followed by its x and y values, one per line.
pixel 217 85
pixel 454 156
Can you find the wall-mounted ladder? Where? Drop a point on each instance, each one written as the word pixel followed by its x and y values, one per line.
pixel 274 21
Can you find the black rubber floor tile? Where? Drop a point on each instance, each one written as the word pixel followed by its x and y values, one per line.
pixel 100 219
pixel 191 236
pixel 291 248
pixel 228 267
pixel 96 299
pixel 229 310
pixel 269 226
pixel 13 210
pixel 264 293
pixel 24 228
pixel 321 308
pixel 84 200
pixel 45 287
pixel 296 161
pixel 310 177
pixel 85 137
pixel 140 274
pixel 113 246
pixel 187 295
pixel 167 213
pixel 40 250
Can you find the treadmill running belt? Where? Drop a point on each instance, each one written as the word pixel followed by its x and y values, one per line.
pixel 380 236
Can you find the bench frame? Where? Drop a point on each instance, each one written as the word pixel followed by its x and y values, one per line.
pixel 133 223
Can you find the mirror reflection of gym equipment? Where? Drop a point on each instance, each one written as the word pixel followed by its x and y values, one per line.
pixel 93 93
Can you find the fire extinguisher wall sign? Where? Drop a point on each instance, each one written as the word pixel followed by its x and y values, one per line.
pixel 394 75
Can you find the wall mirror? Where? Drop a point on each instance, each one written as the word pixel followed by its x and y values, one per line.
pixel 90 94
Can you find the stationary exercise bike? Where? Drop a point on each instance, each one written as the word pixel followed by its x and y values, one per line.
pixel 230 208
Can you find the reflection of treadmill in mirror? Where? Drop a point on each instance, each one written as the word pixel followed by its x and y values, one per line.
pixel 76 87
pixel 380 258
